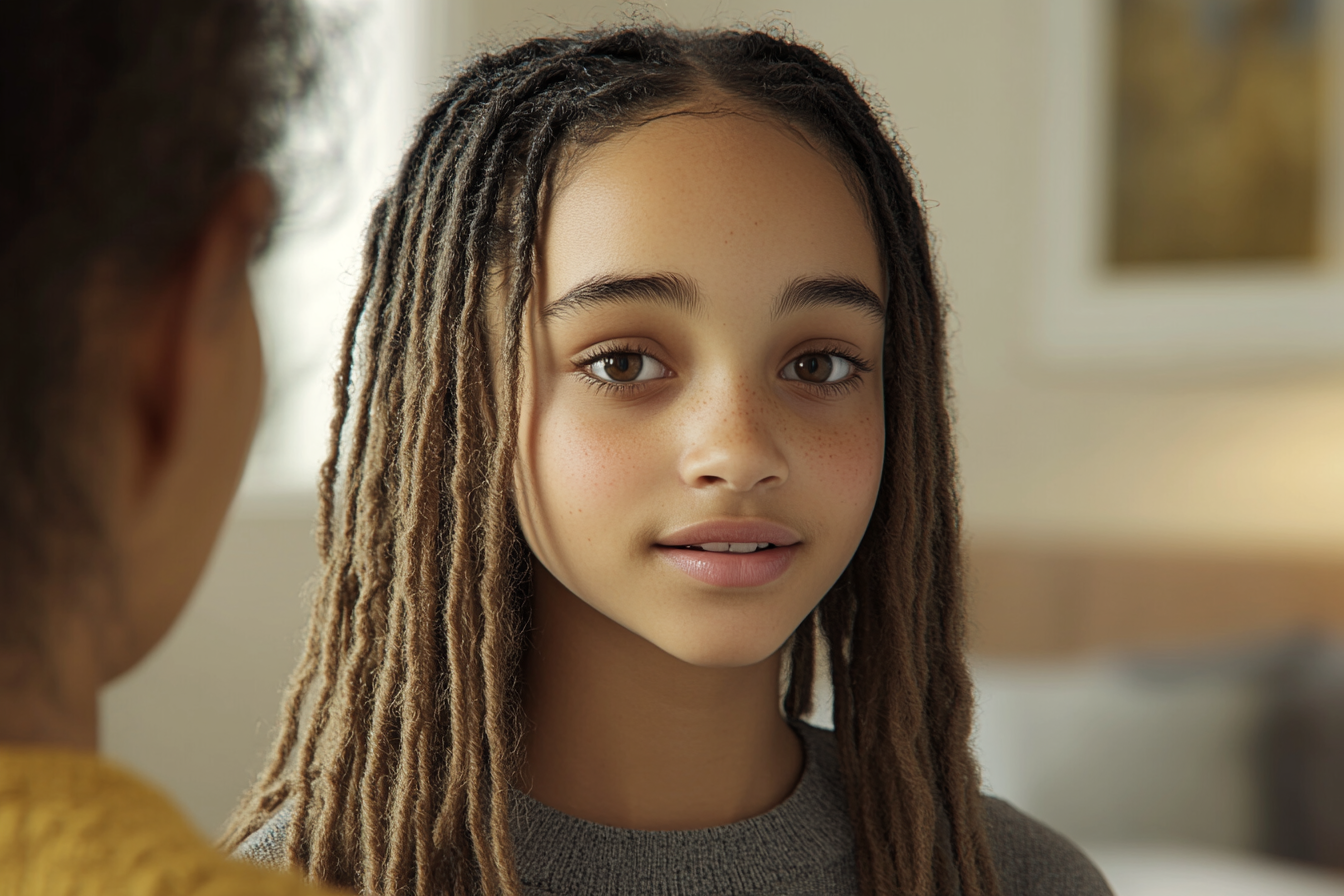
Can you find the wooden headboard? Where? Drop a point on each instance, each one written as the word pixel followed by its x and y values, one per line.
pixel 1043 600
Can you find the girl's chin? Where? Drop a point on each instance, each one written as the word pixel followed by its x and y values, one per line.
pixel 712 650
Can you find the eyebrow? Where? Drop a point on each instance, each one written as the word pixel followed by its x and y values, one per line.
pixel 815 292
pixel 662 289
pixel 680 293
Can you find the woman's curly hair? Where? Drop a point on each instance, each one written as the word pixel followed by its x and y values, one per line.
pixel 125 122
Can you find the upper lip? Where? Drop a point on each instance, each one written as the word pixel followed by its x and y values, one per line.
pixel 732 531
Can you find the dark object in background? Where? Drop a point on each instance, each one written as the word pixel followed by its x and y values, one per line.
pixel 1296 747
pixel 1301 754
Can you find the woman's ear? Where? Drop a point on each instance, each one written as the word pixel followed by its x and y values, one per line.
pixel 229 241
pixel 194 302
pixel 184 415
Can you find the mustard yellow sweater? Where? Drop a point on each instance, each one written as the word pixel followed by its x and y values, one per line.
pixel 72 824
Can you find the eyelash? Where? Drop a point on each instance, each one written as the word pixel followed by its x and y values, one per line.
pixel 603 386
pixel 839 388
pixel 849 383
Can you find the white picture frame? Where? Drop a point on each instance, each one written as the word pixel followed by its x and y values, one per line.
pixel 1201 318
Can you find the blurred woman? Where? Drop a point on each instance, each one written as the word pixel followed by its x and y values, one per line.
pixel 133 196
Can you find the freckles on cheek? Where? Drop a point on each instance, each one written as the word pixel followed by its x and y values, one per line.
pixel 845 463
pixel 587 467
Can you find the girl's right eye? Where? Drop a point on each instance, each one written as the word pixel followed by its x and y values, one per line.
pixel 622 368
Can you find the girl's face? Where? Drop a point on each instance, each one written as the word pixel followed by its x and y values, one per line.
pixel 702 427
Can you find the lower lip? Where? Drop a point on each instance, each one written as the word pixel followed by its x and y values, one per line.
pixel 728 570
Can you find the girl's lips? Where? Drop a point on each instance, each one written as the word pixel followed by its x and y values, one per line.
pixel 727 570
pixel 730 530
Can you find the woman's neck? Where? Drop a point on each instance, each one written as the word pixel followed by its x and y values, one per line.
pixel 50 697
pixel 624 734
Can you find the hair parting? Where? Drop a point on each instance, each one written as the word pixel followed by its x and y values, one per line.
pixel 400 734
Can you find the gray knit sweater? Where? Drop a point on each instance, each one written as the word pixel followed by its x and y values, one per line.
pixel 802 846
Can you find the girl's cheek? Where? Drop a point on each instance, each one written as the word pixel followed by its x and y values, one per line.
pixel 587 461
pixel 590 463
pixel 845 462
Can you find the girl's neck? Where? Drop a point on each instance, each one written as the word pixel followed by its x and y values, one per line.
pixel 623 734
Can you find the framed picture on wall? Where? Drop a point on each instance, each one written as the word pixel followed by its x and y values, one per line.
pixel 1193 191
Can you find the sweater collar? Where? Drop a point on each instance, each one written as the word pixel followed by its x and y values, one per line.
pixel 560 854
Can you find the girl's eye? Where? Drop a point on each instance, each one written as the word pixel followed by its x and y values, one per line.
pixel 819 368
pixel 626 367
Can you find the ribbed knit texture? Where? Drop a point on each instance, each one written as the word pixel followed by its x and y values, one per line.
pixel 72 824
pixel 802 846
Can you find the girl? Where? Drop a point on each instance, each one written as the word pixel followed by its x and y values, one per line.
pixel 642 414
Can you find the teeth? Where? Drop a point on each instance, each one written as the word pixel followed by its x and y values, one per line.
pixel 734 547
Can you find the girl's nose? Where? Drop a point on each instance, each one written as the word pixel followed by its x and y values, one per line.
pixel 731 442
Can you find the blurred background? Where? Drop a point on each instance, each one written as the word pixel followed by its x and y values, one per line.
pixel 1139 212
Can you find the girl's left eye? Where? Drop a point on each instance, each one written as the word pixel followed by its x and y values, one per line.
pixel 620 368
pixel 819 368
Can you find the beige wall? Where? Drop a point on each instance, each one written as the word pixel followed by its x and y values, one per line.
pixel 1049 453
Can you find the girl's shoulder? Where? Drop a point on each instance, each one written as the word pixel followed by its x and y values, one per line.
pixel 266 845
pixel 1034 860
pixel 1030 858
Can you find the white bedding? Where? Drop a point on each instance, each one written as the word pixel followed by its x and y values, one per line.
pixel 1201 871
pixel 1107 756
pixel 1152 777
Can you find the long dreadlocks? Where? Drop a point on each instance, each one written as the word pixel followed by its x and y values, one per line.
pixel 399 737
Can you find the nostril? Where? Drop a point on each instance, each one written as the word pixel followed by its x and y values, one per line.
pixel 736 468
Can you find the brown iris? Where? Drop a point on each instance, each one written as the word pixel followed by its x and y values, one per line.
pixel 624 367
pixel 814 368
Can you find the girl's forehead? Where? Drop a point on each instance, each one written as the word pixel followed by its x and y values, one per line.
pixel 730 145
pixel 706 192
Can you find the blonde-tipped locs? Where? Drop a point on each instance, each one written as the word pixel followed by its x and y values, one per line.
pixel 399 737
